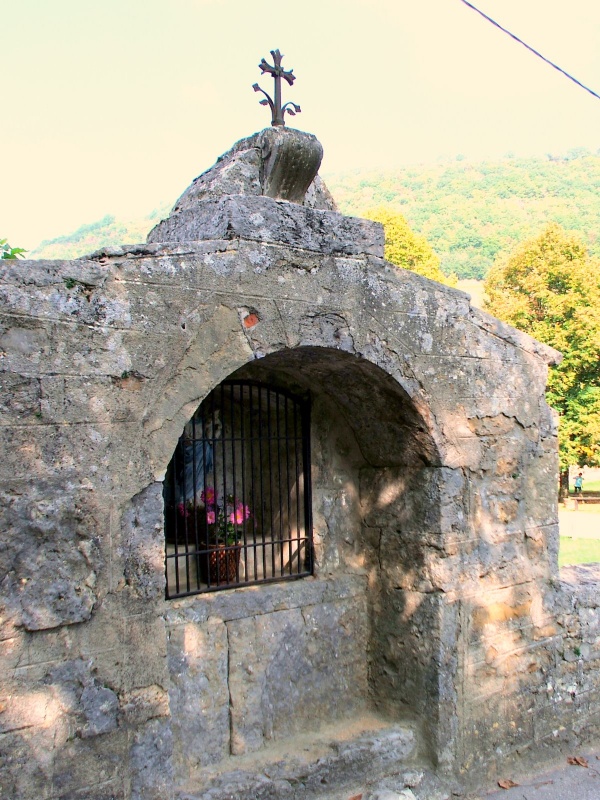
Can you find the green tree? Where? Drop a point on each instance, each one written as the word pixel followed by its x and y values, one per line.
pixel 6 251
pixel 550 288
pixel 407 249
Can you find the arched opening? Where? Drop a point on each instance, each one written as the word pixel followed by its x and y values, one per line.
pixel 237 491
pixel 360 639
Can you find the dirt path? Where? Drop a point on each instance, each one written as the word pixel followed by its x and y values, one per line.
pixel 564 782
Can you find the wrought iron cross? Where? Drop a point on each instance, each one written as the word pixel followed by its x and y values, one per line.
pixel 277 71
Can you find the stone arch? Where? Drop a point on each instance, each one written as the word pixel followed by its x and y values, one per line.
pixel 377 488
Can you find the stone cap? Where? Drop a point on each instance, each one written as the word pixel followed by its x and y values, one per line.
pixel 251 166
pixel 266 189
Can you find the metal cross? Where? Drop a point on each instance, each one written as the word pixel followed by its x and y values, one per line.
pixel 277 71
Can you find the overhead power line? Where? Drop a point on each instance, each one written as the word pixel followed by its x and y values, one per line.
pixel 531 49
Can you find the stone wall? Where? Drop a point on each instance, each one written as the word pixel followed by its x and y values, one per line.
pixel 570 700
pixel 434 602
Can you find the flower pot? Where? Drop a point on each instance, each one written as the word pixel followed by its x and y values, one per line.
pixel 220 564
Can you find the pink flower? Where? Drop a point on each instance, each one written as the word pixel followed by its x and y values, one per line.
pixel 239 514
pixel 183 512
pixel 210 517
pixel 209 496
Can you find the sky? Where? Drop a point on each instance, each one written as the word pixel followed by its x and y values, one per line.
pixel 115 106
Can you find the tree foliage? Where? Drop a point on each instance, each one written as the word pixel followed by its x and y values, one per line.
pixel 6 251
pixel 105 232
pixel 470 211
pixel 550 288
pixel 407 249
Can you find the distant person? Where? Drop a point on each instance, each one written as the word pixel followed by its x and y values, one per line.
pixel 579 483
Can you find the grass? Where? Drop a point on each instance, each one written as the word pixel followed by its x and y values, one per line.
pixel 588 486
pixel 578 551
pixel 591 486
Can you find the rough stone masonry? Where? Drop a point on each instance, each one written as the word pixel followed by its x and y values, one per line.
pixel 436 640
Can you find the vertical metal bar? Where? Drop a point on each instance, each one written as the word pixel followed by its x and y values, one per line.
pixel 307 485
pixel 262 483
pixel 182 522
pixel 234 480
pixel 214 486
pixel 208 425
pixel 185 511
pixel 243 460
pixel 296 450
pixel 289 490
pixel 196 494
pixel 252 474
pixel 173 506
pixel 279 492
pixel 271 526
pixel 224 498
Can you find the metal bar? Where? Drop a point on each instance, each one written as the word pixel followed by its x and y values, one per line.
pixel 279 492
pixel 262 485
pixel 253 483
pixel 289 488
pixel 195 489
pixel 234 481
pixel 271 526
pixel 297 485
pixel 307 486
pixel 259 582
pixel 243 460
pixel 214 486
pixel 183 506
pixel 224 497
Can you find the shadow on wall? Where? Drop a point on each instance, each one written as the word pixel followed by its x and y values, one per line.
pixel 501 584
pixel 377 488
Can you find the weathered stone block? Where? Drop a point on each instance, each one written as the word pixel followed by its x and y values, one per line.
pixel 151 762
pixel 294 668
pixel 142 548
pixel 83 763
pixel 51 557
pixel 266 220
pixel 199 694
pixel 141 705
pixel 26 764
pixel 145 657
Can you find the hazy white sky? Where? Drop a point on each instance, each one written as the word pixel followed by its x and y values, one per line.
pixel 114 106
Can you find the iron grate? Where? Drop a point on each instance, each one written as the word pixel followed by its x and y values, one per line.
pixel 237 492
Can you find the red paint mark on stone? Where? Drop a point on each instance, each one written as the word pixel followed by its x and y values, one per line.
pixel 251 320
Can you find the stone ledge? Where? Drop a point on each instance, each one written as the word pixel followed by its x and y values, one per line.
pixel 312 765
pixel 581 574
pixel 266 220
pixel 263 599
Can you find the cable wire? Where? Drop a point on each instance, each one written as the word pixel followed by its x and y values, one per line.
pixel 531 49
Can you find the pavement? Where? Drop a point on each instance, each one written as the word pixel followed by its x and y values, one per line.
pixel 564 782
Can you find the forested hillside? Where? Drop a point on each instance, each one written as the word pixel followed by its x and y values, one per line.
pixel 103 233
pixel 468 211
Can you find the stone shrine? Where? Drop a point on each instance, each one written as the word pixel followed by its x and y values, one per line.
pixel 426 639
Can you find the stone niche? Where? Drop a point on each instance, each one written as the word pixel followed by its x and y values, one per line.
pixel 433 626
pixel 334 650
